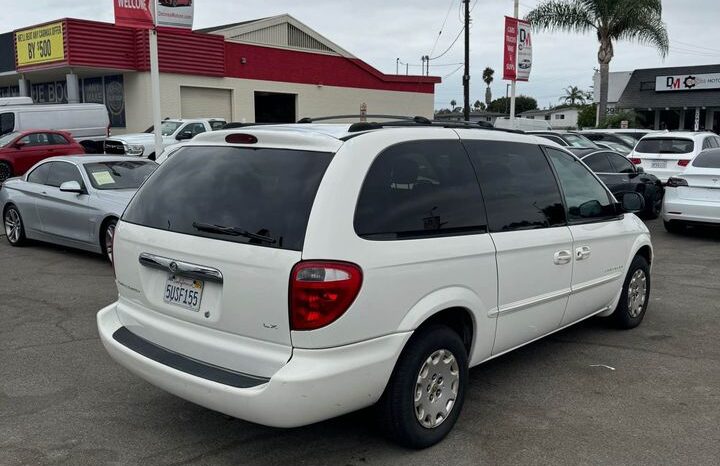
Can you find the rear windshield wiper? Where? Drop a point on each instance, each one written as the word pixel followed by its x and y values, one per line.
pixel 232 231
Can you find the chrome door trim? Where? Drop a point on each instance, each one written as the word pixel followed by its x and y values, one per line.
pixel 185 269
pixel 528 303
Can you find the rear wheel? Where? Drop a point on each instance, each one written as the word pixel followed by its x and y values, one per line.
pixel 635 295
pixel 427 389
pixel 655 206
pixel 6 171
pixel 14 227
pixel 674 226
pixel 108 235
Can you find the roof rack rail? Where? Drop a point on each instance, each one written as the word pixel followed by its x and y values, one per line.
pixel 308 120
pixel 420 121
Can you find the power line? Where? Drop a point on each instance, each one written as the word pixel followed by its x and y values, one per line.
pixel 437 39
pixel 456 70
pixel 456 38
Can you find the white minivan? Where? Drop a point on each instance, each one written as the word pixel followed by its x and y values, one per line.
pixel 89 124
pixel 289 274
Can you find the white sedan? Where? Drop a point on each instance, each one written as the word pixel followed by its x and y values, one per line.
pixel 694 196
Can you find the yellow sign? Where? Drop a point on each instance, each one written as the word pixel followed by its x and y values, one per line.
pixel 40 45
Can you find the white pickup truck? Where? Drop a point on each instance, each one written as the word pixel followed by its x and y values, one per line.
pixel 173 131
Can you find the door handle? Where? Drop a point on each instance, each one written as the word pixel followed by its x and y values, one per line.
pixel 582 253
pixel 562 257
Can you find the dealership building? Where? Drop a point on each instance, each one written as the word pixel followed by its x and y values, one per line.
pixel 677 98
pixel 268 70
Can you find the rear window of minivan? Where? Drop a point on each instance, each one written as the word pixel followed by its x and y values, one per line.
pixel 665 146
pixel 252 196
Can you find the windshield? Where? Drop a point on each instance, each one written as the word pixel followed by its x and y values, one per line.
pixel 168 128
pixel 7 139
pixel 617 147
pixel 627 139
pixel 261 197
pixel 129 174
pixel 576 140
pixel 665 146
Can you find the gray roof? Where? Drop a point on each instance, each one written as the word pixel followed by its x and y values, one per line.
pixel 640 92
pixel 232 25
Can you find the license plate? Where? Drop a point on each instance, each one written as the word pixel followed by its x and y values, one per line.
pixel 658 164
pixel 183 292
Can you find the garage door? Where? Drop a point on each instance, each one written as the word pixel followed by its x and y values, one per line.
pixel 203 102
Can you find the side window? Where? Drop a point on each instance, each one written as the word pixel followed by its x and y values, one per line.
pixel 420 189
pixel 60 172
pixel 518 185
pixel 586 198
pixel 195 128
pixel 598 163
pixel 707 144
pixel 7 123
pixel 621 164
pixel 57 139
pixel 39 175
pixel 36 139
pixel 217 125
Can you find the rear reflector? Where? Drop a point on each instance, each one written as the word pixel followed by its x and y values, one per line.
pixel 321 292
pixel 636 161
pixel 683 163
pixel 239 138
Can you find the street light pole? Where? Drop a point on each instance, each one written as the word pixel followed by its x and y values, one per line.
pixel 466 77
pixel 514 82
pixel 155 83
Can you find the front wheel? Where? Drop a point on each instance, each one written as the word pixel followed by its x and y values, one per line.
pixel 107 239
pixel 427 389
pixel 635 295
pixel 674 226
pixel 14 227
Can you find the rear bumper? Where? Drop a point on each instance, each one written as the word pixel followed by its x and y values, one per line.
pixel 674 208
pixel 313 386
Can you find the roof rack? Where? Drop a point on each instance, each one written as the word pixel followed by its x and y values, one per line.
pixel 308 120
pixel 425 122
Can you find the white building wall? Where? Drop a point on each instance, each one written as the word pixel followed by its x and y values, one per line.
pixel 617 82
pixel 312 100
pixel 570 119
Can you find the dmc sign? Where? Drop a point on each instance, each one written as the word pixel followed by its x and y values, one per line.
pixel 688 82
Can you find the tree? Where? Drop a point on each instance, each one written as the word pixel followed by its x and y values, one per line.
pixel 453 104
pixel 610 20
pixel 478 106
pixel 574 96
pixel 523 103
pixel 587 116
pixel 487 76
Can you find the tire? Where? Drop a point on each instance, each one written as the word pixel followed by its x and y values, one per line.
pixel 654 207
pixel 6 171
pixel 399 408
pixel 106 238
pixel 14 227
pixel 635 295
pixel 674 226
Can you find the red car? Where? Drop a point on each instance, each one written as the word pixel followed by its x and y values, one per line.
pixel 21 150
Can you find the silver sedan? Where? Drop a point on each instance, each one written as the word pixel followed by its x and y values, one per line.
pixel 73 201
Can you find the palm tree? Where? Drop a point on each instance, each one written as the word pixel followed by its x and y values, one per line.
pixel 453 104
pixel 573 96
pixel 488 78
pixel 611 20
pixel 477 105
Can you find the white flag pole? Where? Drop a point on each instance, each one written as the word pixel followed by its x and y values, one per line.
pixel 512 87
pixel 155 82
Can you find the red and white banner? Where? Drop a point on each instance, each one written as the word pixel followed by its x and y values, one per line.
pixel 517 54
pixel 134 14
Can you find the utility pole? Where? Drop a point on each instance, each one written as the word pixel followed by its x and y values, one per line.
pixel 514 83
pixel 466 77
pixel 397 66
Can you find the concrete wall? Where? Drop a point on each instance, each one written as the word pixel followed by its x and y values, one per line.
pixel 312 100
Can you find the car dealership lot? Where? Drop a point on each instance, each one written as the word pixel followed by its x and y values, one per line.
pixel 588 395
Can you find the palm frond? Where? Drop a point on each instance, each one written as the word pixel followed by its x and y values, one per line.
pixel 563 15
pixel 649 30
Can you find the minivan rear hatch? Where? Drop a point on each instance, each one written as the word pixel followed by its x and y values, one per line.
pixel 204 253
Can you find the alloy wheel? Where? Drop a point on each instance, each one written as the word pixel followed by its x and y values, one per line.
pixel 109 236
pixel 637 293
pixel 13 225
pixel 436 389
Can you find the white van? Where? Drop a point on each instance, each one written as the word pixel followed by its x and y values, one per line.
pixel 87 123
pixel 523 124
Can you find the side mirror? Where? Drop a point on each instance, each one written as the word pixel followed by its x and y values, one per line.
pixel 71 187
pixel 185 135
pixel 631 202
pixel 19 144
pixel 639 170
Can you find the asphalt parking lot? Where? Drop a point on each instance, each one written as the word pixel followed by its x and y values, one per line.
pixel 588 395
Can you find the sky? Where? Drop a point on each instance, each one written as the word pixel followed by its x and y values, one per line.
pixel 380 31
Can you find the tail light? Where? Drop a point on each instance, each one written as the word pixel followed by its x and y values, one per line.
pixel 676 182
pixel 321 292
pixel 683 163
pixel 636 161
